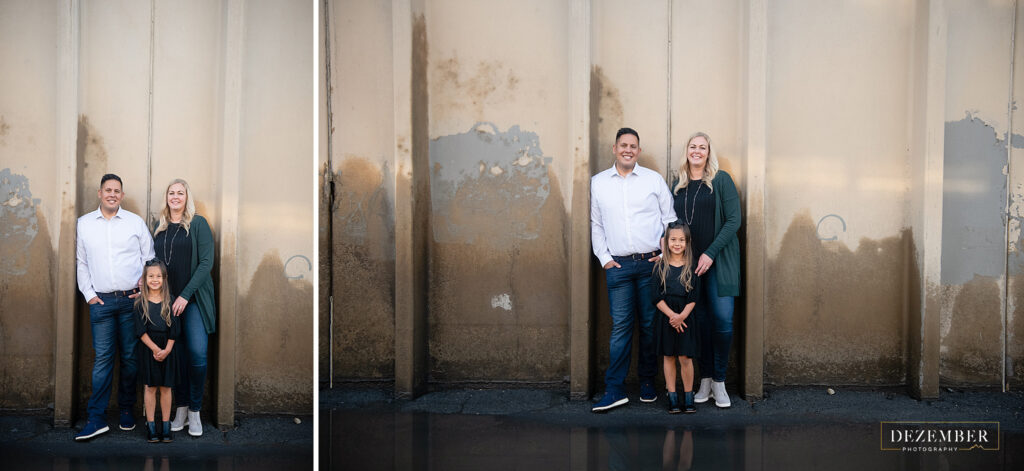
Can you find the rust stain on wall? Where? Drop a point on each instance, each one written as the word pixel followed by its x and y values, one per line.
pixel 275 330
pixel 972 347
pixel 26 318
pixel 92 165
pixel 470 88
pixel 363 256
pixel 499 280
pixel 835 316
pixel 606 117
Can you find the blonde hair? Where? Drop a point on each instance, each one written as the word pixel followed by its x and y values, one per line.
pixel 165 294
pixel 165 213
pixel 661 268
pixel 710 167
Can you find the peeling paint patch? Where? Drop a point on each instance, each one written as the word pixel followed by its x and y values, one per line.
pixel 18 222
pixel 503 301
pixel 513 190
pixel 973 201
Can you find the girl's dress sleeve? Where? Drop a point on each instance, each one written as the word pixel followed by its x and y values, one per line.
pixel 140 327
pixel 694 295
pixel 175 331
pixel 657 294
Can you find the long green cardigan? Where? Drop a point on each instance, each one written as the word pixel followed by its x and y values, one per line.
pixel 725 248
pixel 201 283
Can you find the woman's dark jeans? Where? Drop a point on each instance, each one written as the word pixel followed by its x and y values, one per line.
pixel 192 344
pixel 715 329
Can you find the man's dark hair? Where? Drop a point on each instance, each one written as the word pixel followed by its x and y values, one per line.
pixel 627 131
pixel 111 176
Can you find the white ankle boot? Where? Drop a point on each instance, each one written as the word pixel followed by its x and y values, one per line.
pixel 721 397
pixel 180 419
pixel 703 392
pixel 195 425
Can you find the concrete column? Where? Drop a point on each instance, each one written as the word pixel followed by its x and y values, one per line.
pixel 66 290
pixel 412 196
pixel 754 272
pixel 229 190
pixel 927 157
pixel 581 331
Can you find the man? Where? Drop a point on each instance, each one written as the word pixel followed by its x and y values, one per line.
pixel 629 208
pixel 112 246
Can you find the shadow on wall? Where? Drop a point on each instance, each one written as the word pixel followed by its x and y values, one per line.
pixel 275 332
pixel 26 313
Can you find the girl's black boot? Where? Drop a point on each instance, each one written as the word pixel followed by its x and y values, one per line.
pixel 673 403
pixel 688 402
pixel 167 432
pixel 151 435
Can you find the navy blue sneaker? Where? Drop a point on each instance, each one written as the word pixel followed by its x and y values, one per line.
pixel 610 400
pixel 647 393
pixel 91 429
pixel 127 420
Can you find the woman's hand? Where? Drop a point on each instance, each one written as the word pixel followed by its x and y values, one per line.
pixel 179 306
pixel 703 264
pixel 141 287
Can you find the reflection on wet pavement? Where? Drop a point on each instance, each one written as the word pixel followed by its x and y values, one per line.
pixel 187 461
pixel 355 439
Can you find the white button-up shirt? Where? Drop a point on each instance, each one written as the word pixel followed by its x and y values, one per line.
pixel 628 214
pixel 110 253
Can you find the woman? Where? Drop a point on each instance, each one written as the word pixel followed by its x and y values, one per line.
pixel 184 243
pixel 707 201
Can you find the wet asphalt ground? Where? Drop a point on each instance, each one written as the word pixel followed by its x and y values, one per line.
pixel 790 428
pixel 29 442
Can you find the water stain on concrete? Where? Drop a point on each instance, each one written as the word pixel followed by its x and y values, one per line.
pixel 91 155
pixel 471 88
pixel 18 222
pixel 363 252
pixel 1015 333
pixel 466 190
pixel 835 316
pixel 973 202
pixel 5 129
pixel 27 320
pixel 275 330
pixel 972 346
pixel 501 233
pixel 324 208
pixel 606 118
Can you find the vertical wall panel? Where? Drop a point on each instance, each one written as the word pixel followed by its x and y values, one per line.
pixel 498 165
pixel 29 201
pixel 837 182
pixel 1014 322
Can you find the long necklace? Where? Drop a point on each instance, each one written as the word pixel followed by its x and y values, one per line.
pixel 693 208
pixel 170 243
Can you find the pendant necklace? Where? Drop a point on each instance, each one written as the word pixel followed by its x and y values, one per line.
pixel 693 208
pixel 169 242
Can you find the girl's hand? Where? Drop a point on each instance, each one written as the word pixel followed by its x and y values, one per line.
pixel 161 355
pixel 179 306
pixel 703 264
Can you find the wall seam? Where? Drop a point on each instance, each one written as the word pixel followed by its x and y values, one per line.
pixel 329 181
pixel 668 101
pixel 149 125
pixel 1006 206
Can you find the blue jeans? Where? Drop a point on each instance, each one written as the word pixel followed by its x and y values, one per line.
pixel 629 293
pixel 113 330
pixel 191 349
pixel 715 329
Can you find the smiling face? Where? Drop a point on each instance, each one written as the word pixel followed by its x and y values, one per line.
pixel 154 279
pixel 110 196
pixel 627 150
pixel 176 197
pixel 697 152
pixel 676 242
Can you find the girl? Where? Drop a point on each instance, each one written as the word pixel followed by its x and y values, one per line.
pixel 157 329
pixel 676 291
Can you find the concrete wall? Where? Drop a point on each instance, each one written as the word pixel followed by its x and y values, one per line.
pixel 868 140
pixel 215 93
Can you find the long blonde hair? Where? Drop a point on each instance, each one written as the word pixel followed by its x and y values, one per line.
pixel 165 294
pixel 661 268
pixel 710 167
pixel 165 213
